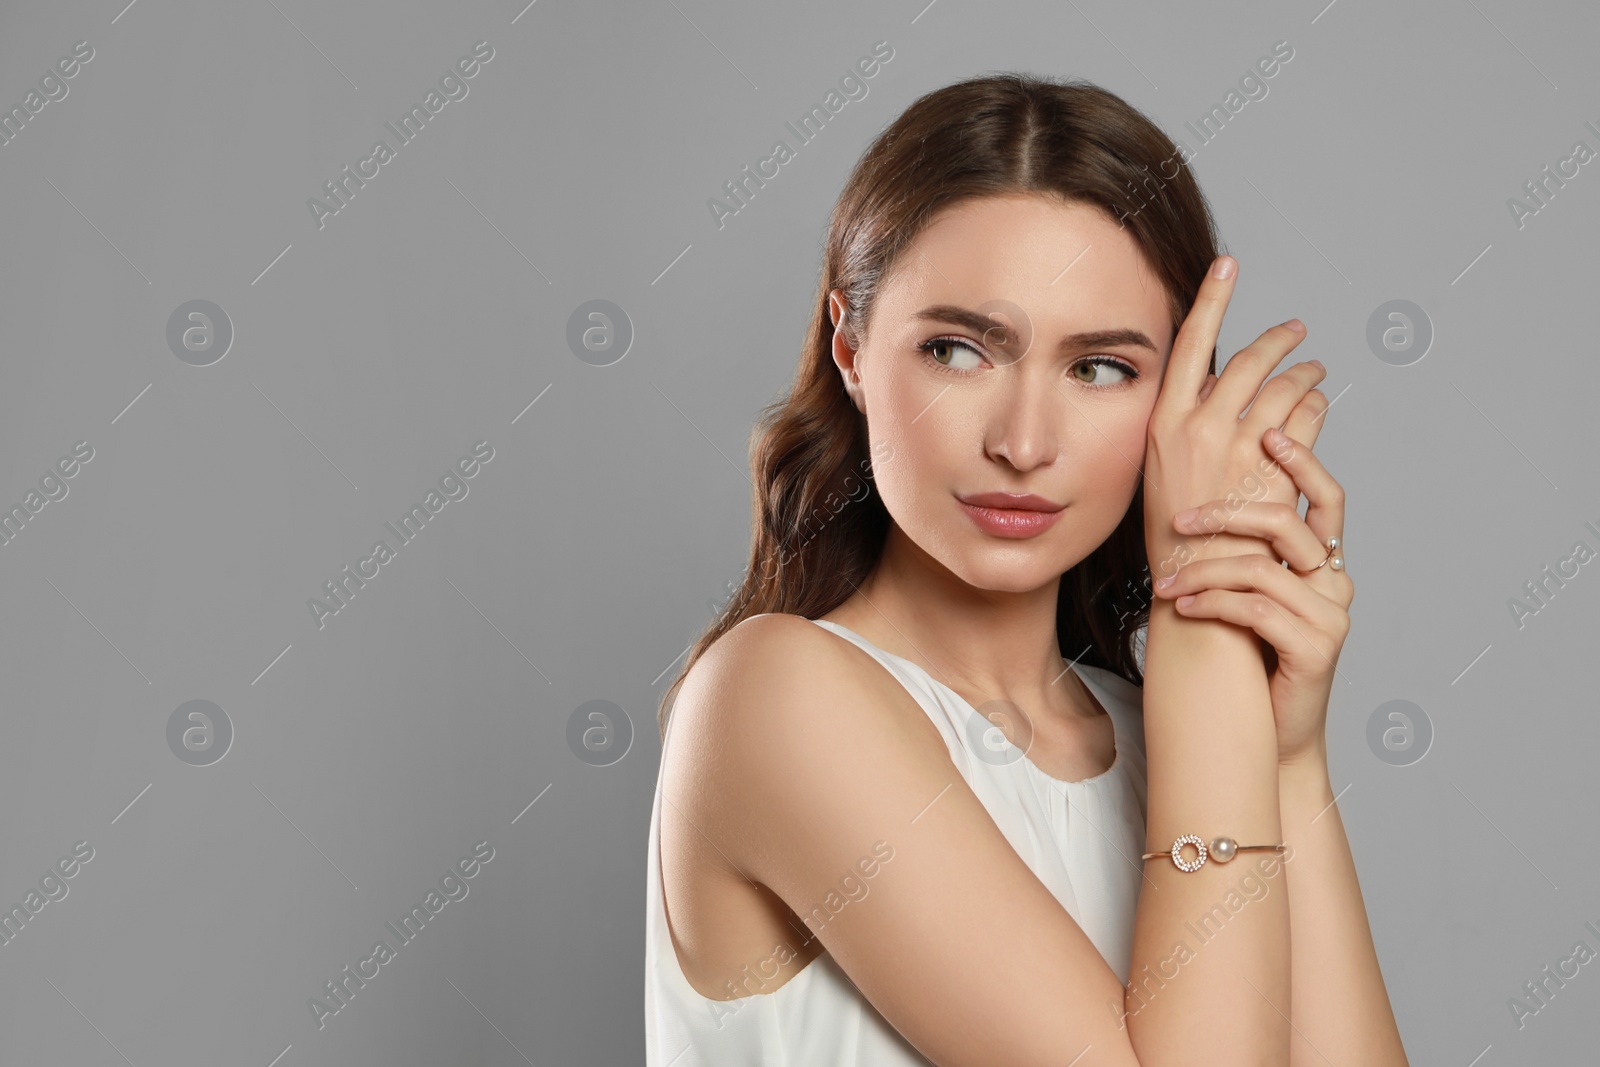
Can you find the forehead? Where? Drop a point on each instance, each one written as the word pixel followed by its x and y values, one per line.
pixel 1067 264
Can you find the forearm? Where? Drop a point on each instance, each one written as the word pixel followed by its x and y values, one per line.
pixel 1213 771
pixel 1341 1009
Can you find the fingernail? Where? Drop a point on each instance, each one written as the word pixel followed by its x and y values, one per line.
pixel 1185 601
pixel 1162 583
pixel 1184 518
pixel 1296 325
pixel 1223 267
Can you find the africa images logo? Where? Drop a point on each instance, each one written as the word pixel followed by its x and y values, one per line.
pixel 454 87
pixel 852 86
pixel 341 589
pixel 339 991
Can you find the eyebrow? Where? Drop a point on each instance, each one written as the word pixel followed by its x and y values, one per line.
pixel 979 323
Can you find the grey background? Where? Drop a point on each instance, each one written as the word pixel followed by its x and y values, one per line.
pixel 369 355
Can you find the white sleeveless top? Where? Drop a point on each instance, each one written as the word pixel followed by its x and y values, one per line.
pixel 1082 839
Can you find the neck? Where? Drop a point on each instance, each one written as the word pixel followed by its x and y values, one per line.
pixel 1001 644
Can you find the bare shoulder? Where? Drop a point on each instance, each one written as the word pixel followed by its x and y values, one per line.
pixel 774 642
pixel 768 707
pixel 775 673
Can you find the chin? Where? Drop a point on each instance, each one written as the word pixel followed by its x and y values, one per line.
pixel 1006 571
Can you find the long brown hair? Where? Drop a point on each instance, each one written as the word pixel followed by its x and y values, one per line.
pixel 817 528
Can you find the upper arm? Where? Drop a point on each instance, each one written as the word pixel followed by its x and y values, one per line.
pixel 815 766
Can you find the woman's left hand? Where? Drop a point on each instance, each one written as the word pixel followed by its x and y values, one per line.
pixel 1303 619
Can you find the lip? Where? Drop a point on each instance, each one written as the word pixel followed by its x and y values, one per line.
pixel 1021 516
pixel 1011 502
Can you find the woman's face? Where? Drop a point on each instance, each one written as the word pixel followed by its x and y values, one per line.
pixel 1052 398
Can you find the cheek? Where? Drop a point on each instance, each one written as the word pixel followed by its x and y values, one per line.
pixel 929 440
pixel 1117 433
pixel 1109 455
pixel 926 455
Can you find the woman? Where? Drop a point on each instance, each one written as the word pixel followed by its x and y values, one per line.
pixel 894 825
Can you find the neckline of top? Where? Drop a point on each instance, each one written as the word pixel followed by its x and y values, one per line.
pixel 1098 691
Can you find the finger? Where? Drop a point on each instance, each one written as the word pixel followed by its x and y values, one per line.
pixel 1278 524
pixel 1279 397
pixel 1288 636
pixel 1324 495
pixel 1254 573
pixel 1307 419
pixel 1190 361
pixel 1211 383
pixel 1242 377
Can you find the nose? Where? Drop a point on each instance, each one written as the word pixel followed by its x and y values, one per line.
pixel 1025 422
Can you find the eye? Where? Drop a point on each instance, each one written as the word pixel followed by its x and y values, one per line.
pixel 1097 363
pixel 944 352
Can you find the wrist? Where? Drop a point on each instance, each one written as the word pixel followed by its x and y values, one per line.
pixel 1304 779
pixel 1306 762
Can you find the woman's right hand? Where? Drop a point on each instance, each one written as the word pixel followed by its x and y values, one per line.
pixel 1198 449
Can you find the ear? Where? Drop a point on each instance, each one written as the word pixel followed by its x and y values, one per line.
pixel 844 350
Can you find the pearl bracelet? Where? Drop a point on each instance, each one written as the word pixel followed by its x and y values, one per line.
pixel 1223 848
